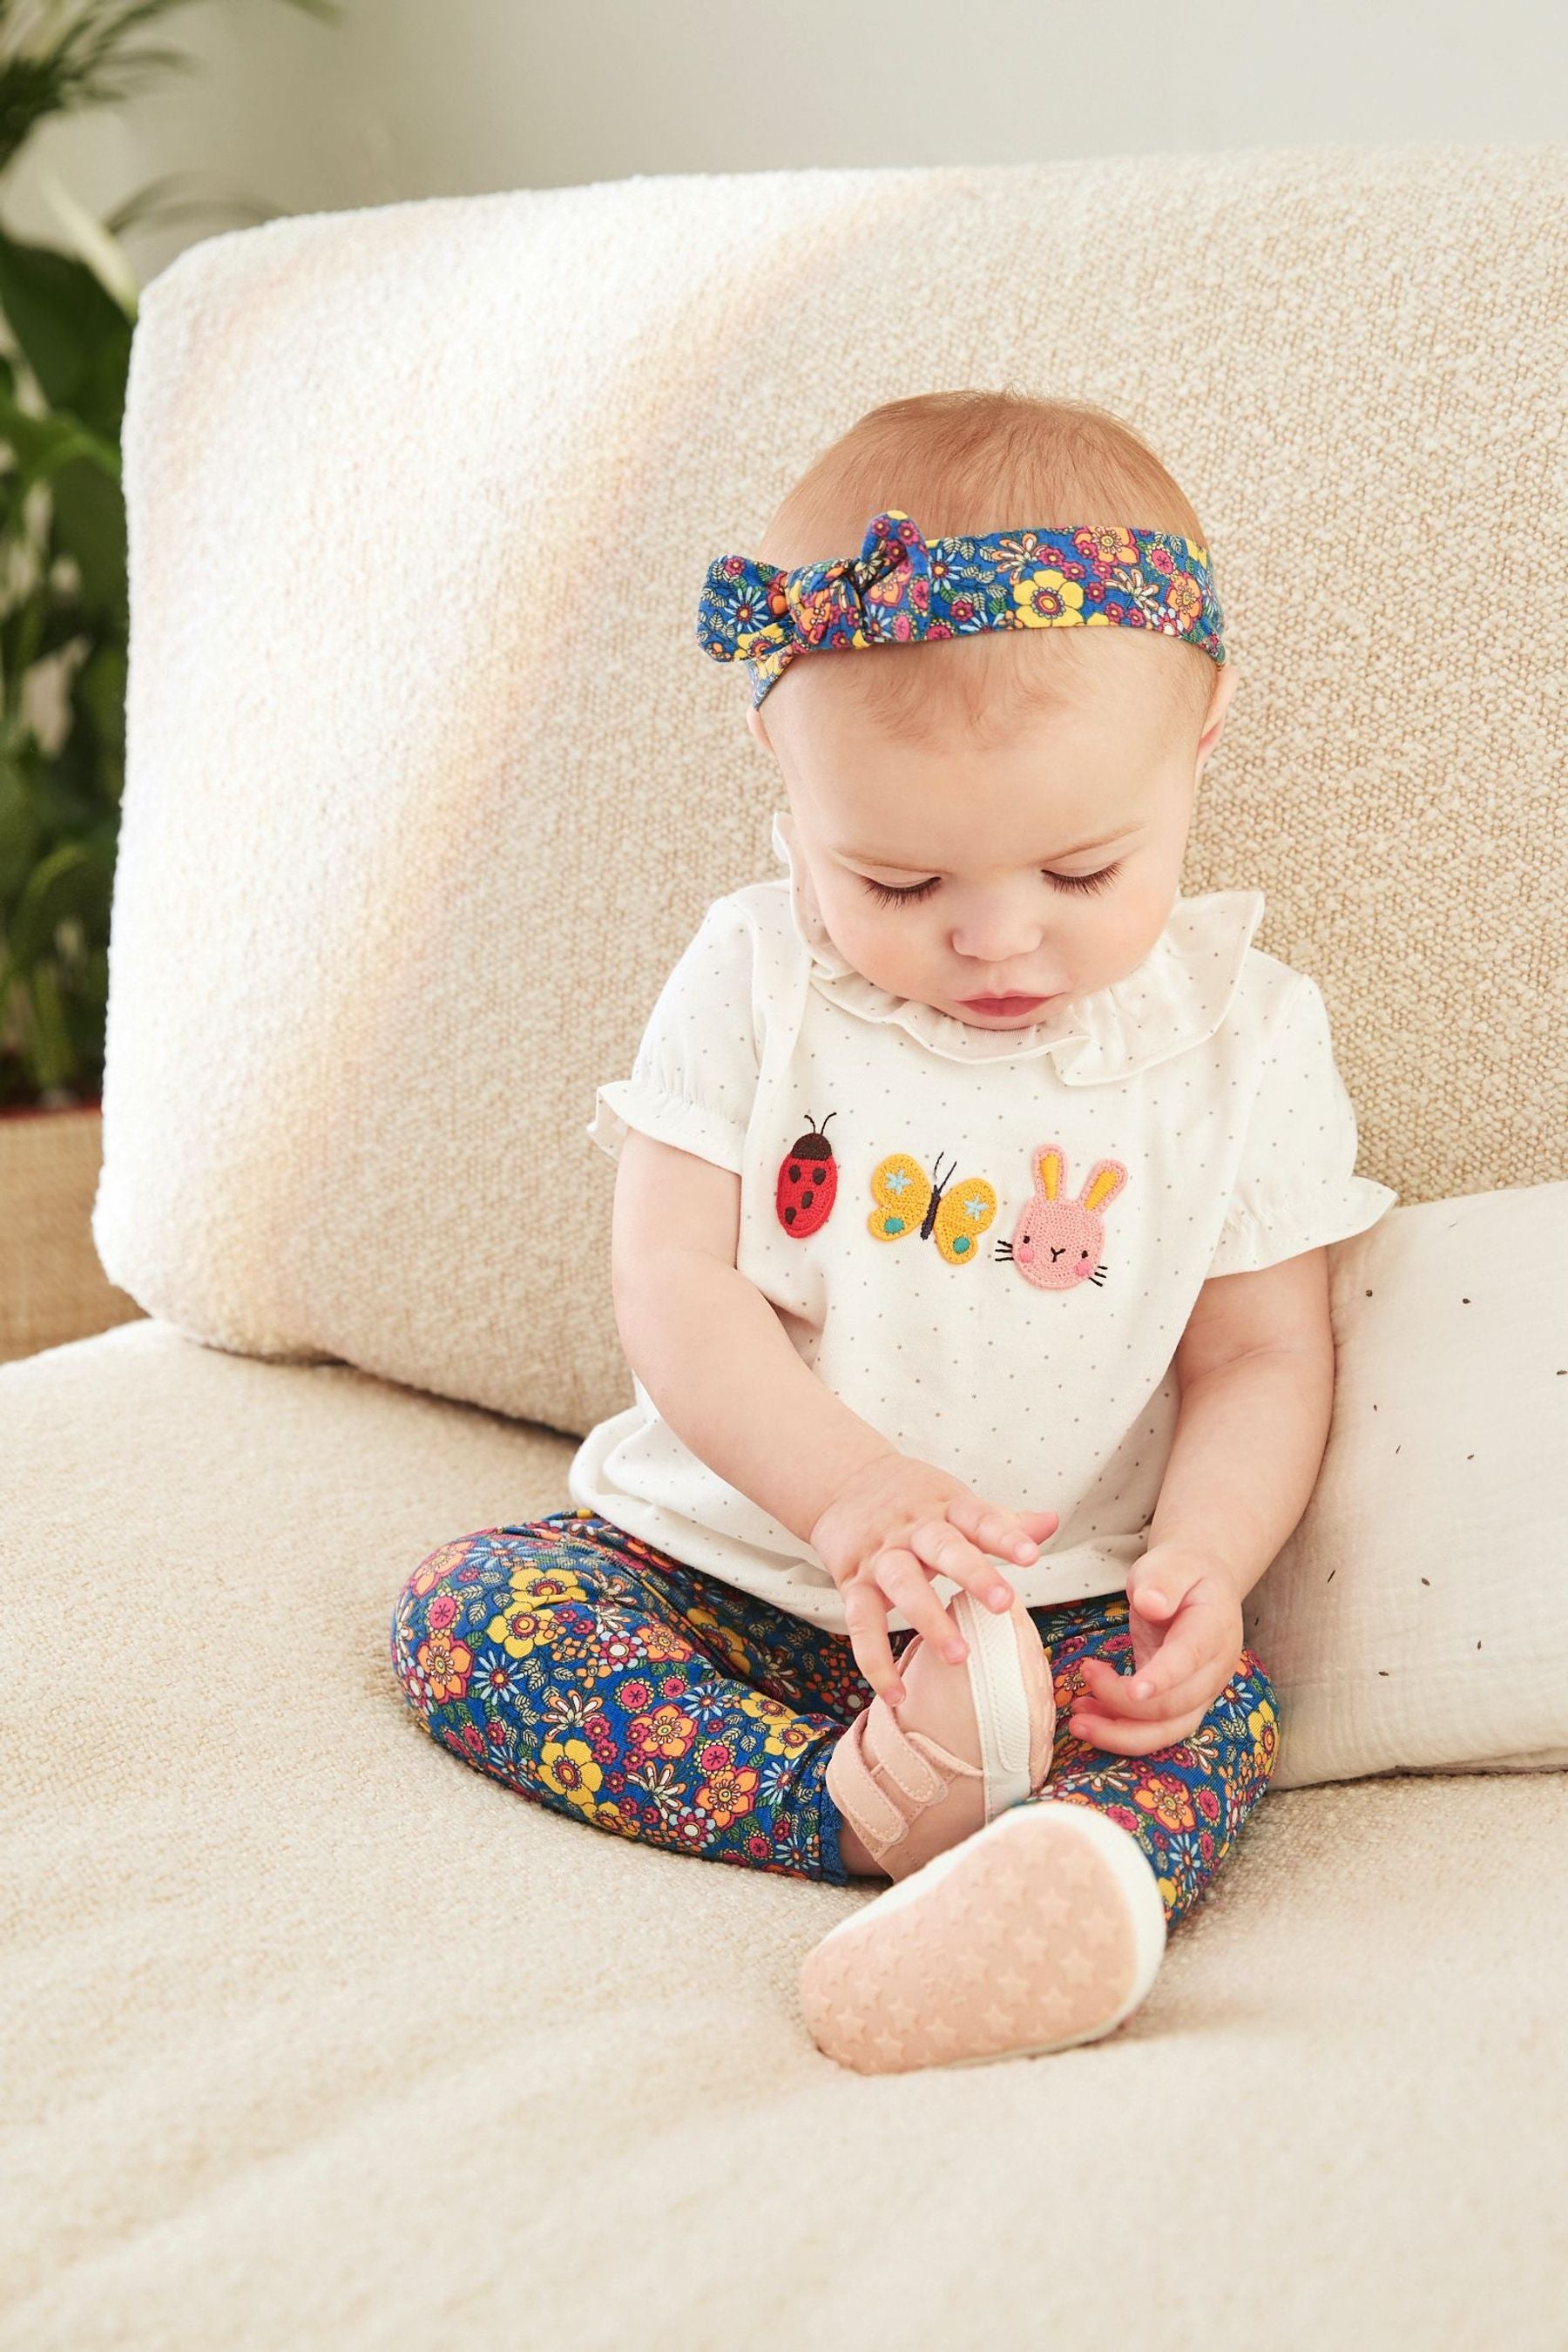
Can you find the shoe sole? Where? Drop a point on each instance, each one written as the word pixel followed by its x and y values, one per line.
pixel 1043 1930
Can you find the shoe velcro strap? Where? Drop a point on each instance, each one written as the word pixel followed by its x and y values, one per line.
pixel 870 1811
pixel 899 1760
pixel 1002 1708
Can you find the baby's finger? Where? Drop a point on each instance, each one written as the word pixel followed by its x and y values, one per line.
pixel 1180 1659
pixel 1117 1695
pixel 866 1619
pixel 946 1549
pixel 1125 1739
pixel 1179 1663
pixel 905 1582
pixel 996 1531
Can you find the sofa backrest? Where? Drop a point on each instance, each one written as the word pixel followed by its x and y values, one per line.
pixel 429 781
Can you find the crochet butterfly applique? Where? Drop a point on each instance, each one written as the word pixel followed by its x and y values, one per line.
pixel 910 1201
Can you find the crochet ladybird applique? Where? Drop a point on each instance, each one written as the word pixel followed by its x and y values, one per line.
pixel 1057 1243
pixel 954 1215
pixel 807 1181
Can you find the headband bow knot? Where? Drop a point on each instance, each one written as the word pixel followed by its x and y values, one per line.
pixel 881 595
pixel 901 588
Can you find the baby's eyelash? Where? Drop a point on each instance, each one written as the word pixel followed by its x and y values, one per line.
pixel 888 896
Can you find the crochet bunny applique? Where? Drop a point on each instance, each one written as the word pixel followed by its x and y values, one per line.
pixel 1057 1243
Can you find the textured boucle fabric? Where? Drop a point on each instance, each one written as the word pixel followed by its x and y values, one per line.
pixel 312 2037
pixel 1418 1614
pixel 430 780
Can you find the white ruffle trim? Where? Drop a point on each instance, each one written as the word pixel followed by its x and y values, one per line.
pixel 669 1118
pixel 1263 1231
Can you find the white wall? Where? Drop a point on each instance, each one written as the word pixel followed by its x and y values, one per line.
pixel 412 97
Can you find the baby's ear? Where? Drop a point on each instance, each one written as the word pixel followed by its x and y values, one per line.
pixel 754 722
pixel 1221 696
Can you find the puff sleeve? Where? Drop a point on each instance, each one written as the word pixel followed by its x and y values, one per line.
pixel 694 1075
pixel 1296 1185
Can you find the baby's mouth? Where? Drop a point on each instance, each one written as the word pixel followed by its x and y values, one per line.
pixel 1005 1007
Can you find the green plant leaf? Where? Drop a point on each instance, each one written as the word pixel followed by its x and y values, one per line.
pixel 71 880
pixel 97 693
pixel 42 445
pixel 49 1052
pixel 22 836
pixel 62 512
pixel 59 618
pixel 72 333
pixel 90 526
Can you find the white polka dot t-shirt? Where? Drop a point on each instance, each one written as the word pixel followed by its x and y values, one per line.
pixel 987 1242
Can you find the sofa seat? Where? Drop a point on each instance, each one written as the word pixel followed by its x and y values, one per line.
pixel 317 2037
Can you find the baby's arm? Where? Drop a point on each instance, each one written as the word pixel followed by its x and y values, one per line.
pixel 708 1348
pixel 720 1368
pixel 1256 1367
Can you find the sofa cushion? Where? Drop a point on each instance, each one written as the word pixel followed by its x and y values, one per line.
pixel 314 2037
pixel 429 780
pixel 1419 1615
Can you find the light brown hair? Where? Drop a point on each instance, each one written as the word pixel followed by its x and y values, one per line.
pixel 975 461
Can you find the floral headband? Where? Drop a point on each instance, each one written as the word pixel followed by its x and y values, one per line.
pixel 901 589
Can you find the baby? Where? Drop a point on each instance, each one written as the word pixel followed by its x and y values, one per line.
pixel 972 1198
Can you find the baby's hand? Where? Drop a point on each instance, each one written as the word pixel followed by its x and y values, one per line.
pixel 894 1524
pixel 1185 1615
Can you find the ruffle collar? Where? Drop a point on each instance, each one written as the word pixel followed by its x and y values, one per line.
pixel 1176 997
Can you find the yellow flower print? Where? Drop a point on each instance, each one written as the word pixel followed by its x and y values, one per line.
pixel 545 1588
pixel 1167 1801
pixel 722 1637
pixel 1263 1724
pixel 609 1816
pixel 665 1732
pixel 524 1620
pixel 788 1735
pixel 567 1766
pixel 518 1630
pixel 1046 598
pixel 726 1794
pixel 447 1664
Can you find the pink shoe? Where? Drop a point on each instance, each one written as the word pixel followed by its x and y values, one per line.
pixel 983 1741
pixel 1045 1929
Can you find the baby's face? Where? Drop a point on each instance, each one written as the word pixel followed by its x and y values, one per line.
pixel 1040 866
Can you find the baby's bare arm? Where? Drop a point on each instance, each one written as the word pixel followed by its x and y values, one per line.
pixel 719 1364
pixel 1256 1368
pixel 711 1350
pixel 1256 1372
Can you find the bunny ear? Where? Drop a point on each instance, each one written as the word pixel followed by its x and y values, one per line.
pixel 1105 1180
pixel 1050 1170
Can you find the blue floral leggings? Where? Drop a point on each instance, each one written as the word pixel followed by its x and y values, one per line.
pixel 589 1671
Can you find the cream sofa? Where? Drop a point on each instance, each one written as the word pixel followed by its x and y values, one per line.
pixel 319 2039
